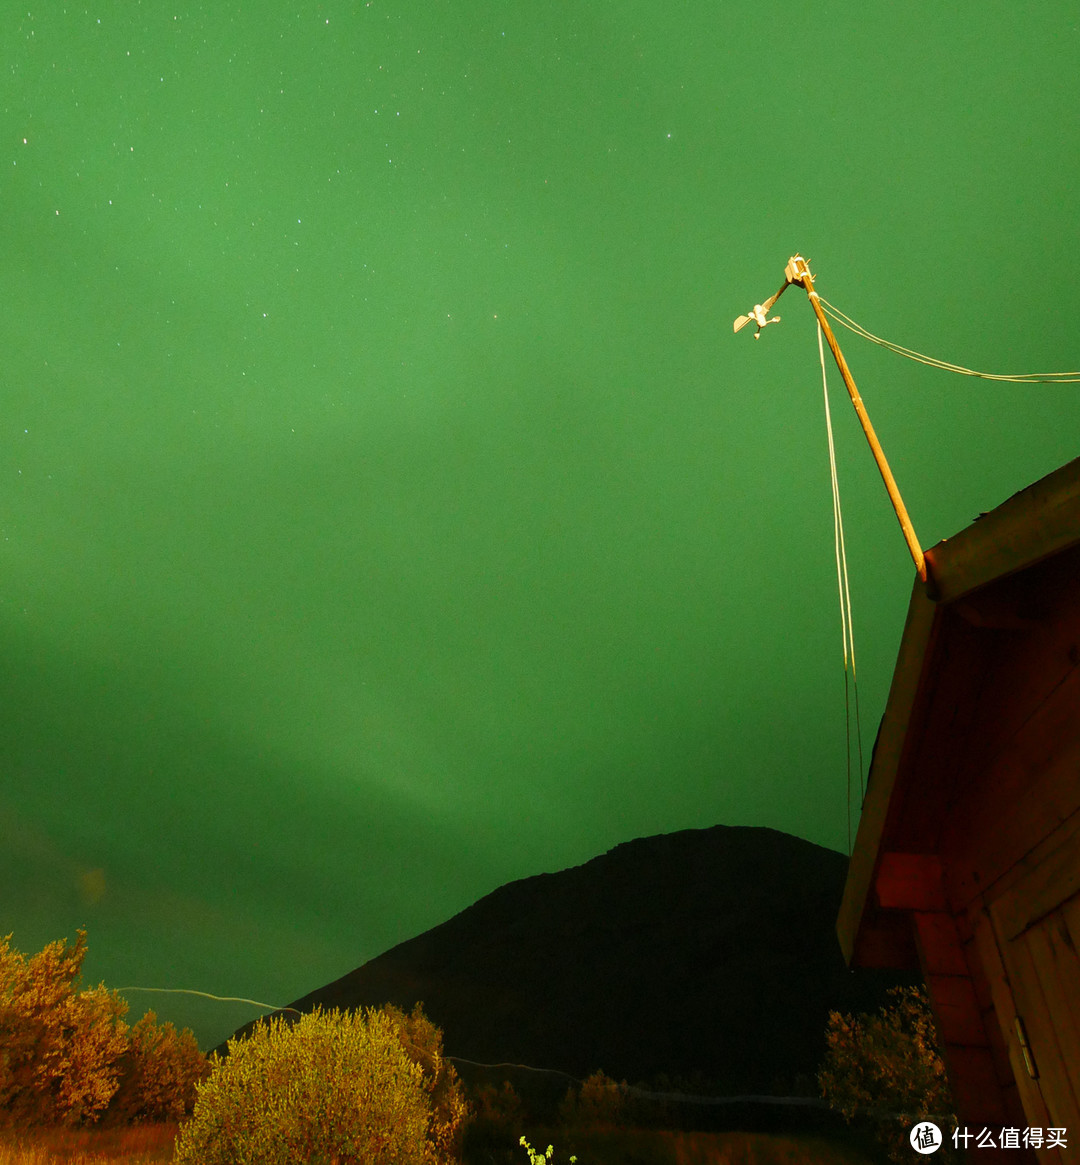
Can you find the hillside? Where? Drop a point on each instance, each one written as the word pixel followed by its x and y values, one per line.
pixel 706 951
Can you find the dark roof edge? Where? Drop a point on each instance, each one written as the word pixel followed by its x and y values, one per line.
pixel 1034 523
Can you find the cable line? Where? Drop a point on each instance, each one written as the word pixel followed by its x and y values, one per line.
pixel 911 354
pixel 846 628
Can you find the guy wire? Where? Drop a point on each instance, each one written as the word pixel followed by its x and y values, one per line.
pixel 844 590
pixel 911 354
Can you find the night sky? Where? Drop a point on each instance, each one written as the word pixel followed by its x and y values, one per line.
pixel 387 510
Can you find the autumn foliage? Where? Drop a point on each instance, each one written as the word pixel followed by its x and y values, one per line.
pixel 68 1057
pixel 422 1042
pixel 598 1104
pixel 346 1087
pixel 159 1072
pixel 886 1070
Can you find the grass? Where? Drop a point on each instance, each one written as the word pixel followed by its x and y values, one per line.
pixel 138 1145
pixel 147 1144
pixel 665 1147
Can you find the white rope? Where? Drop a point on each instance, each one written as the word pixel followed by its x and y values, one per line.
pixel 911 354
pixel 844 590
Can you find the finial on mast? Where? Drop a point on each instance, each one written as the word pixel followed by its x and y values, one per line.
pixel 797 270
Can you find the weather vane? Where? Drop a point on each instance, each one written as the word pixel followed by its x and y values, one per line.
pixel 759 313
pixel 798 271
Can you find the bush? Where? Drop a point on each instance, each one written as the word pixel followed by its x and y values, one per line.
pixel 496 1118
pixel 333 1087
pixel 159 1072
pixel 499 1108
pixel 599 1103
pixel 886 1070
pixel 422 1042
pixel 61 1048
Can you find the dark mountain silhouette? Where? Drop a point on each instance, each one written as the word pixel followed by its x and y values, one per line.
pixel 707 952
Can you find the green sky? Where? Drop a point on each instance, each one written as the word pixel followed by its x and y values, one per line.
pixel 387 508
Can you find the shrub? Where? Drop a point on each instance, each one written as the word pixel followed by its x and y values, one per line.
pixel 333 1087
pixel 886 1070
pixel 159 1072
pixel 500 1108
pixel 599 1103
pixel 496 1117
pixel 422 1042
pixel 61 1047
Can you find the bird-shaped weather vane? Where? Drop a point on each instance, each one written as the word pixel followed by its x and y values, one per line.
pixel 797 271
pixel 759 313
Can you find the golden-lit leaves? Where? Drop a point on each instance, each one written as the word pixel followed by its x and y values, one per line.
pixel 598 1103
pixel 887 1068
pixel 331 1086
pixel 68 1056
pixel 61 1046
pixel 422 1041
pixel 161 1069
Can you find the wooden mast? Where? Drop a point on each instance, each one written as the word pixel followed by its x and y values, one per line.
pixel 798 271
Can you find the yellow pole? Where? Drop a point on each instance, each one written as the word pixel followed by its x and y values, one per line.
pixel 798 271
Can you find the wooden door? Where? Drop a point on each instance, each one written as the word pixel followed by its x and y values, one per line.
pixel 1037 927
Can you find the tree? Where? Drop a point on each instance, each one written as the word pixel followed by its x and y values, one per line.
pixel 67 1056
pixel 83 1066
pixel 333 1087
pixel 160 1070
pixel 496 1118
pixel 500 1108
pixel 422 1042
pixel 886 1070
pixel 61 1047
pixel 597 1104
